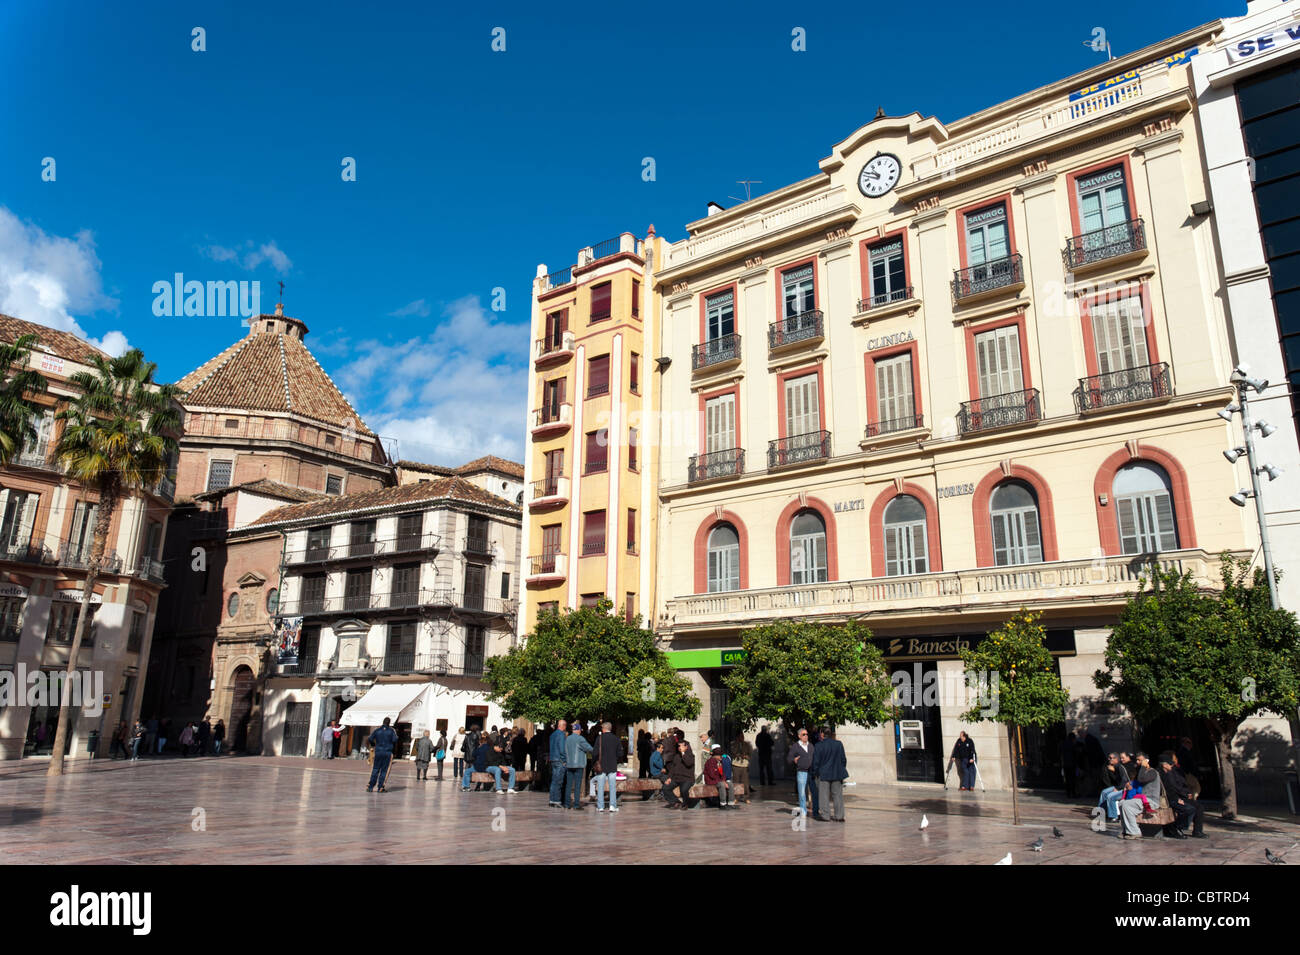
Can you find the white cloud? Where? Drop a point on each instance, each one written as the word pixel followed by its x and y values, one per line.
pixel 419 307
pixel 449 396
pixel 46 278
pixel 249 255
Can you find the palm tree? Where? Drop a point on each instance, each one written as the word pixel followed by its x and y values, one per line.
pixel 118 437
pixel 17 382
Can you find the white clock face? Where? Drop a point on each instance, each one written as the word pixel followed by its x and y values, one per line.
pixel 879 175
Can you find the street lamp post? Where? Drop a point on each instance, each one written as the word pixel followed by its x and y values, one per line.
pixel 1244 386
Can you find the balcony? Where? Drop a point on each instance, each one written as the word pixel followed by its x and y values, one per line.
pixel 77 556
pixel 995 591
pixel 37 456
pixel 547 569
pixel 150 570
pixel 552 419
pixel 30 553
pixel 554 349
pixel 402 544
pixel 477 603
pixel 716 353
pixel 1129 386
pixel 988 279
pixel 479 546
pixel 715 465
pixel 884 299
pixel 794 330
pixel 563 277
pixel 999 411
pixel 306 666
pixel 165 488
pixel 799 449
pixel 548 493
pixel 879 429
pixel 1117 243
pixel 400 600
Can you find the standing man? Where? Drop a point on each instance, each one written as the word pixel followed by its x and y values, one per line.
pixel 645 747
pixel 381 742
pixel 327 741
pixel 219 738
pixel 963 753
pixel 423 755
pixel 830 766
pixel 555 761
pixel 764 745
pixel 608 751
pixel 204 736
pixel 576 749
pixel 801 757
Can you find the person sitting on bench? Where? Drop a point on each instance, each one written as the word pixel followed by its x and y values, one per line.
pixel 1130 809
pixel 1181 800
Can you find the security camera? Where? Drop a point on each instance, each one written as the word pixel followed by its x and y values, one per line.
pixel 1234 454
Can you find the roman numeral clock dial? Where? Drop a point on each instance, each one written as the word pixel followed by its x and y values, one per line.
pixel 879 175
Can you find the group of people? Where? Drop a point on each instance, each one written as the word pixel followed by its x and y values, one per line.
pixel 1133 789
pixel 152 737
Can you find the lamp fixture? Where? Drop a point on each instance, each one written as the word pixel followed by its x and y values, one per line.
pixel 1264 428
pixel 1241 497
pixel 1270 470
pixel 1233 454
pixel 1227 413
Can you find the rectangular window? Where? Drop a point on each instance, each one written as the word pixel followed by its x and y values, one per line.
pixel 505 586
pixel 895 408
pixel 997 356
pixel 598 376
pixel 401 637
pixel 475 585
pixel 1103 199
pixel 63 623
pixel 135 636
pixel 629 608
pixel 356 590
pixel 987 235
pixel 219 474
pixel 554 471
pixel 634 374
pixel 720 423
pixel 719 315
pixel 406 585
pixel 557 323
pixel 19 519
pixel 154 540
pixel 476 538
pixel 601 297
pixel 888 272
pixel 313 593
pixel 797 291
pixel 475 650
pixel 597 451
pixel 631 449
pixel 631 530
pixel 318 543
pixel 802 411
pixel 409 531
pixel 1119 334
pixel 36 451
pixel 590 600
pixel 550 540
pixel 81 540
pixel 361 538
pixel 552 398
pixel 334 484
pixel 11 618
pixel 548 606
pixel 593 533
pixel 905 549
pixel 636 298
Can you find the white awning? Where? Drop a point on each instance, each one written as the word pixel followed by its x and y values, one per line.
pixel 386 699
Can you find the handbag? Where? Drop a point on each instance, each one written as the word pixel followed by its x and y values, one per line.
pixel 440 755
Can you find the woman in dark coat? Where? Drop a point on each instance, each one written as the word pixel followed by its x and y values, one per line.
pixel 963 752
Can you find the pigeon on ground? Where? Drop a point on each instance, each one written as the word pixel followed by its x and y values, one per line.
pixel 925 821
pixel 1005 860
pixel 1272 859
pixel 1037 844
pixel 1057 832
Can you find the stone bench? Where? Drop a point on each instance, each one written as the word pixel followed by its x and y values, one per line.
pixel 521 776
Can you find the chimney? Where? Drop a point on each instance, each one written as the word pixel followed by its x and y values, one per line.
pixel 714 209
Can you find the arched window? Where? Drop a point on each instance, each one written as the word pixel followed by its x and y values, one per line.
pixel 1013 511
pixel 1144 509
pixel 807 549
pixel 907 549
pixel 724 559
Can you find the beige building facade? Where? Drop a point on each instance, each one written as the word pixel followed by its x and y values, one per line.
pixel 964 368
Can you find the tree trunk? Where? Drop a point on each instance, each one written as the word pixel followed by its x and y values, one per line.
pixel 103 518
pixel 1013 751
pixel 1222 734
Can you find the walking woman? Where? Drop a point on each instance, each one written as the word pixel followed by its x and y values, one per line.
pixel 963 752
pixel 741 751
pixel 457 756
pixel 440 751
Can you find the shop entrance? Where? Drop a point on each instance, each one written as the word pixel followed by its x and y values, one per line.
pixel 297 727
pixel 918 739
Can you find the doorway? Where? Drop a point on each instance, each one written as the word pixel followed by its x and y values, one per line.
pixel 918 748
pixel 297 728
pixel 241 706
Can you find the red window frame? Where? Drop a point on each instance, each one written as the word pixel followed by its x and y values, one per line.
pixel 636 298
pixel 557 323
pixel 1088 302
pixel 634 374
pixel 632 437
pixel 864 260
pixel 701 549
pixel 869 361
pixel 631 530
pixel 731 287
pixel 780 284
pixel 876 523
pixel 705 398
pixel 1072 179
pixel 983 204
pixel 781 379
pixel 993 324
pixel 783 522
pixel 1103 486
pixel 598 384
pixel 984 556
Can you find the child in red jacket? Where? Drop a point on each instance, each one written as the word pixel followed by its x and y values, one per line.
pixel 715 775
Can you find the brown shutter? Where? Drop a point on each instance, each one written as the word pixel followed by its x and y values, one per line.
pixel 601 296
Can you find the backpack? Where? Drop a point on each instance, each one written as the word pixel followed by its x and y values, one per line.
pixel 726 767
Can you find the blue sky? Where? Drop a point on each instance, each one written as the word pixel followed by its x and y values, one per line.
pixel 472 166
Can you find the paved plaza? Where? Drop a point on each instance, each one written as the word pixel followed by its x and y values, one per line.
pixel 258 810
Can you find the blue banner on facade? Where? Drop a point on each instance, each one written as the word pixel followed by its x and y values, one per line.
pixel 1128 77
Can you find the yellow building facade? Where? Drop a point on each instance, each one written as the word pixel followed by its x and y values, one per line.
pixel 590 474
pixel 962 369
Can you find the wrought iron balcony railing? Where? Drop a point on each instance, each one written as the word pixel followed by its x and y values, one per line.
pixel 562 277
pixel 553 346
pixel 555 486
pixel 795 328
pixel 36 456
pixel 1122 238
pixel 907 423
pixel 77 556
pixel 401 544
pixel 715 464
pixel 1125 387
pixel 799 449
pixel 596 389
pixel 150 569
pixel 548 565
pixel 987 277
pixel 474 544
pixel 999 411
pixel 715 351
pixel 29 553
pixel 553 415
pixel 884 298
pixel 603 250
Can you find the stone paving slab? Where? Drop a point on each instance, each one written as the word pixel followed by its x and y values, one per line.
pixel 266 811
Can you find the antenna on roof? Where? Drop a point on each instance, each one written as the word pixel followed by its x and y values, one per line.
pixel 281 284
pixel 748 193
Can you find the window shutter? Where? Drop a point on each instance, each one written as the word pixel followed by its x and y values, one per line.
pixel 1000 556
pixel 27 520
pixel 601 296
pixel 634 373
pixel 1033 538
pixel 598 382
pixel 1166 527
pixel 819 558
pixel 1124 514
pixel 891 551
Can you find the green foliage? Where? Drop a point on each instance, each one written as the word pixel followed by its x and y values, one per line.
pixel 1028 691
pixel 1219 657
pixel 808 674
pixel 119 432
pixel 18 383
pixel 589 664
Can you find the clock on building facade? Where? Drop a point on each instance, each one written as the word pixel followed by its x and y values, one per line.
pixel 879 175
